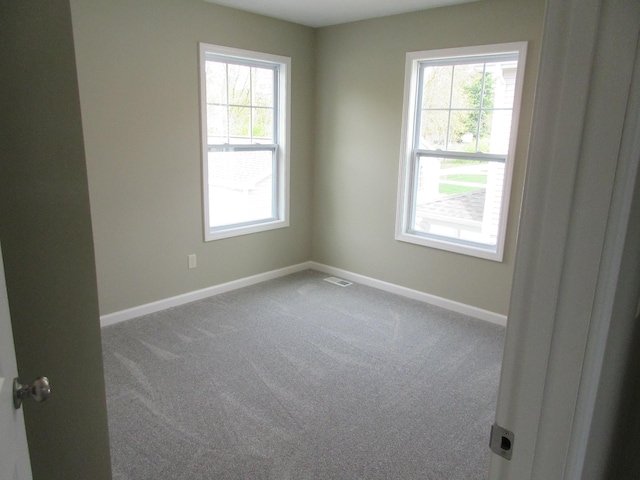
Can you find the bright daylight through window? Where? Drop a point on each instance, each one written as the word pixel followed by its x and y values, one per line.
pixel 245 133
pixel 460 118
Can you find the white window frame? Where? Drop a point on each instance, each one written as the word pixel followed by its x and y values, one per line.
pixel 281 174
pixel 409 155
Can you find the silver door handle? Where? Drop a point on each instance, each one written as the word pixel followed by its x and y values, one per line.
pixel 39 391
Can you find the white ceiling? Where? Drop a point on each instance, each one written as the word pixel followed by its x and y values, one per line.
pixel 320 13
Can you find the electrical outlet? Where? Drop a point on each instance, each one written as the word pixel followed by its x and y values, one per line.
pixel 192 261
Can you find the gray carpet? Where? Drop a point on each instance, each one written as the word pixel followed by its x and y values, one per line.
pixel 297 378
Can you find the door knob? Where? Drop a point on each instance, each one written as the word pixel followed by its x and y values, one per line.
pixel 39 391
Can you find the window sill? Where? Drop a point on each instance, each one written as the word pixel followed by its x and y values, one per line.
pixel 212 235
pixel 488 252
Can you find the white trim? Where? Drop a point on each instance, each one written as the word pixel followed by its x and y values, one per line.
pixel 128 314
pixel 452 305
pixel 559 111
pixel 615 306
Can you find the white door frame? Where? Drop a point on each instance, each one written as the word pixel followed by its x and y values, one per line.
pixel 14 452
pixel 573 229
pixel 615 307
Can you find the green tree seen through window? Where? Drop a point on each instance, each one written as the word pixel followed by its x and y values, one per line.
pixel 482 85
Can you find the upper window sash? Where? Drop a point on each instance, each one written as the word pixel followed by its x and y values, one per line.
pixel 459 100
pixel 274 106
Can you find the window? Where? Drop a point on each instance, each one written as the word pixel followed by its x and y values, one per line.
pixel 245 141
pixel 460 118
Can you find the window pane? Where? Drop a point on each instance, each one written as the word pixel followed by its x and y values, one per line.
pixel 239 123
pixel 458 198
pixel 436 83
pixel 239 84
pixel 263 125
pixel 463 131
pixel 217 124
pixel 500 85
pixel 216 75
pixel 262 87
pixel 433 129
pixel 467 86
pixel 490 140
pixel 504 75
pixel 240 187
pixel 498 132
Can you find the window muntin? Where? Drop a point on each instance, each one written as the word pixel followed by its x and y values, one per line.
pixel 456 163
pixel 245 141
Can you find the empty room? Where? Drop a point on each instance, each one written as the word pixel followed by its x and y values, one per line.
pixel 142 83
pixel 306 223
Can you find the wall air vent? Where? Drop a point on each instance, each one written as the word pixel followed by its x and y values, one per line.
pixel 338 281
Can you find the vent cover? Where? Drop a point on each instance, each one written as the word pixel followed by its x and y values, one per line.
pixel 338 281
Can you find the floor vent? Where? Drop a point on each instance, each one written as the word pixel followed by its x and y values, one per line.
pixel 338 281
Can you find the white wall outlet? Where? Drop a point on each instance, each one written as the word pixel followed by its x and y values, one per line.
pixel 192 261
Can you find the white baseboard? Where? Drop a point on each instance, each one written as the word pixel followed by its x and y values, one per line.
pixel 414 294
pixel 153 307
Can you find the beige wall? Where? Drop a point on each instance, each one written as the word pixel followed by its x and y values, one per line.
pixel 138 74
pixel 360 86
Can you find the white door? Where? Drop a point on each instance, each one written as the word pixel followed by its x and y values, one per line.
pixel 14 455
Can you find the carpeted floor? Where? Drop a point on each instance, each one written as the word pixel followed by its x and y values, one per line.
pixel 297 378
